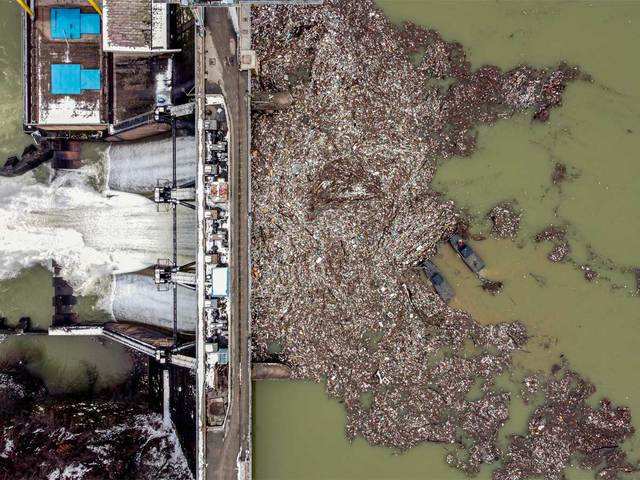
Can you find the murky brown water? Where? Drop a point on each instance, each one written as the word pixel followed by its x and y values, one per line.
pixel 11 137
pixel 299 432
pixel 66 364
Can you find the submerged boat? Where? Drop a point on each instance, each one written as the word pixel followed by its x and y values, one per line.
pixel 468 256
pixel 439 283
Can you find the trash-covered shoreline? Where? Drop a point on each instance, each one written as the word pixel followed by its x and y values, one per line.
pixel 101 436
pixel 343 210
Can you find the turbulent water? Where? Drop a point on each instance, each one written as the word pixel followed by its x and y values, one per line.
pixel 151 160
pixel 88 233
pixel 136 297
pixel 93 235
pixel 94 222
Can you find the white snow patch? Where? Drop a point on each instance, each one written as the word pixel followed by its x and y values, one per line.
pixel 8 448
pixel 71 472
pixel 159 429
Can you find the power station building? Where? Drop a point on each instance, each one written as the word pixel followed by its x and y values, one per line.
pixel 94 72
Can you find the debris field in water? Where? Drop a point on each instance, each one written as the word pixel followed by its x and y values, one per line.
pixel 343 209
pixel 82 438
pixel 561 248
pixel 565 425
pixel 505 219
pixel 559 252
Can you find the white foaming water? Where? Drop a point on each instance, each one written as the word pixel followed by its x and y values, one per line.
pixel 90 234
pixel 136 298
pixel 136 167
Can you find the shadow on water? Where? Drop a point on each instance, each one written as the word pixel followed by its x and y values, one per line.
pixel 66 364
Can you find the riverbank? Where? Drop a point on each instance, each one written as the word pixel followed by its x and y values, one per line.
pixel 106 434
pixel 342 210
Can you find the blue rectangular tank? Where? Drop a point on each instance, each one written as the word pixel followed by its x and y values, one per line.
pixel 65 23
pixel 66 79
pixel 71 23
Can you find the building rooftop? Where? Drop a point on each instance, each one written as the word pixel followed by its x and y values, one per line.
pixel 61 50
pixel 134 26
pixel 139 84
pixel 84 72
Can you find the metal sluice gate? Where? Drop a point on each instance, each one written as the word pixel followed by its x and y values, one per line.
pixel 168 275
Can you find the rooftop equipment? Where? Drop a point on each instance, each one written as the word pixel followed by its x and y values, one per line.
pixel 71 23
pixel 72 79
pixel 219 282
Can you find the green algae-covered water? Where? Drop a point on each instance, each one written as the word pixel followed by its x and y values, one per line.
pixel 299 432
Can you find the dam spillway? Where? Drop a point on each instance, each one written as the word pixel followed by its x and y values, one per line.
pixel 136 297
pixel 90 234
pixel 137 167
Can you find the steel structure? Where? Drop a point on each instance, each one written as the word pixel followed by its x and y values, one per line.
pixel 237 3
pixel 223 94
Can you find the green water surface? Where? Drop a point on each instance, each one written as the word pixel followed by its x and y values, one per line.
pixel 11 138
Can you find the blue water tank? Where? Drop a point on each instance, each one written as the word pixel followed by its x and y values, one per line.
pixel 71 23
pixel 65 23
pixel 65 79
pixel 72 79
pixel 90 79
pixel 90 24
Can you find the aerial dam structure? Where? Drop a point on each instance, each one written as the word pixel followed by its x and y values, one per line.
pixel 180 70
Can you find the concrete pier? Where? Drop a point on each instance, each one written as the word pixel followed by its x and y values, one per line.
pixel 228 452
pixel 224 64
pixel 166 397
pixel 270 371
